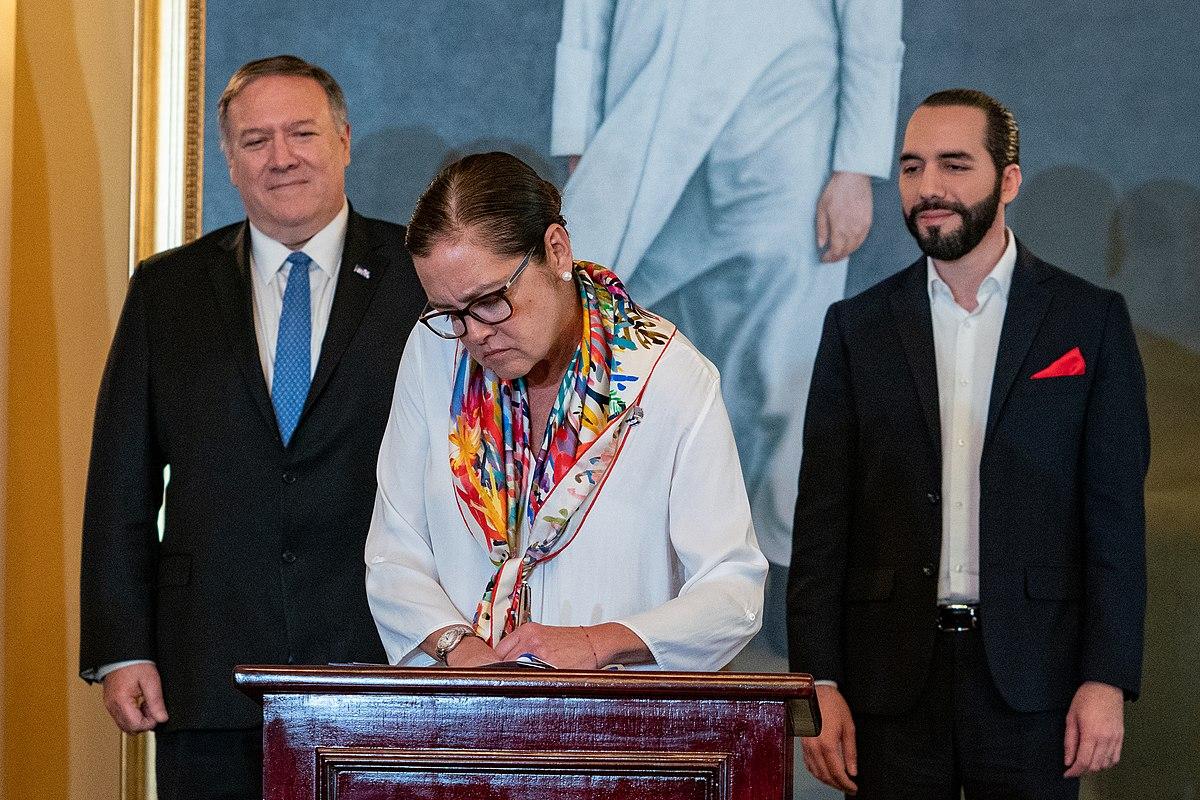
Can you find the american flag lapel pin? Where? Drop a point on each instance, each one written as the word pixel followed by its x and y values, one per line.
pixel 359 269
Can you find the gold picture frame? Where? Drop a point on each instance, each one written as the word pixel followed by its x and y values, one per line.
pixel 166 194
pixel 168 125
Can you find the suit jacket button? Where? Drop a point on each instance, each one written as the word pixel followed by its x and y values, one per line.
pixel 927 571
pixel 289 477
pixel 934 498
pixel 288 557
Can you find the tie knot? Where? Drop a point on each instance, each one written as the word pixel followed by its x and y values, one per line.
pixel 299 259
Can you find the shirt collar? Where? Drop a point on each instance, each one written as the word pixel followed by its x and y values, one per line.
pixel 999 279
pixel 325 248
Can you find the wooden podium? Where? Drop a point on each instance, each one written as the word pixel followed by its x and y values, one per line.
pixel 370 733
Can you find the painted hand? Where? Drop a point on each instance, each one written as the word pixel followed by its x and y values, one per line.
pixel 843 215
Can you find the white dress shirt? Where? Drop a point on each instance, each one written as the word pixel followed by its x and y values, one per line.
pixel 966 343
pixel 270 275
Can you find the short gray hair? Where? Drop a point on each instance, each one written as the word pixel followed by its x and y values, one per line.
pixel 280 65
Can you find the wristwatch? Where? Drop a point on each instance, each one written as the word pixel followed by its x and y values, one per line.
pixel 450 640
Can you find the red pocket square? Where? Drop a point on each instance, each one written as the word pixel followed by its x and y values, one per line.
pixel 1070 363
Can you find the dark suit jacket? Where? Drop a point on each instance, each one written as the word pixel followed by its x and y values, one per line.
pixel 261 559
pixel 1061 521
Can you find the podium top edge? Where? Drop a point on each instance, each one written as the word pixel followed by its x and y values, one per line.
pixel 260 680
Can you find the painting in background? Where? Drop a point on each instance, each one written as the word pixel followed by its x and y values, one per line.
pixel 422 80
pixel 1106 94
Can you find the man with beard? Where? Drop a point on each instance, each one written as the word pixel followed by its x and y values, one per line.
pixel 968 572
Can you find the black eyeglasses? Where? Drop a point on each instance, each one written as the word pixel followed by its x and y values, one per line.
pixel 490 309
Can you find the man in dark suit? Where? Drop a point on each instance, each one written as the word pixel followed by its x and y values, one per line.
pixel 257 363
pixel 968 578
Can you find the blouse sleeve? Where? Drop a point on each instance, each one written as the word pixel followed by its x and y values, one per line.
pixel 403 587
pixel 719 607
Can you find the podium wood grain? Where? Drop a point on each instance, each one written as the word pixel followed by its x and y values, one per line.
pixel 376 733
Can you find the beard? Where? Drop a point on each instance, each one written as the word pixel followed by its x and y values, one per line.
pixel 976 220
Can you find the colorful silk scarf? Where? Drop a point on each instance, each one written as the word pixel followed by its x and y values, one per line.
pixel 518 506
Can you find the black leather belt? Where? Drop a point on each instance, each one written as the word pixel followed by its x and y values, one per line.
pixel 958 617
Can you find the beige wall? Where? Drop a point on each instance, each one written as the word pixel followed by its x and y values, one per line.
pixel 8 55
pixel 70 96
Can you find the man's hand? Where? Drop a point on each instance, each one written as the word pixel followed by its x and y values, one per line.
pixel 843 215
pixel 133 697
pixel 566 648
pixel 832 757
pixel 1095 729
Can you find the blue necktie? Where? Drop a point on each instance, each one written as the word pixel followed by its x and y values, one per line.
pixel 293 348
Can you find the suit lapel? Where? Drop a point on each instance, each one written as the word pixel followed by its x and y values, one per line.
pixel 230 277
pixel 364 262
pixel 914 324
pixel 1028 300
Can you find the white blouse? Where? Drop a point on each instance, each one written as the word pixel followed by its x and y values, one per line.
pixel 667 549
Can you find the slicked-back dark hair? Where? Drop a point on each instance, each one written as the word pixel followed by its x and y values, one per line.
pixel 1003 139
pixel 495 195
pixel 291 66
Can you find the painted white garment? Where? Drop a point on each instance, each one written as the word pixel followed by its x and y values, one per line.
pixel 667 548
pixel 708 129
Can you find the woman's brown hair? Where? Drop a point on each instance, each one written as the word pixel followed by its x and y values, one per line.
pixel 496 196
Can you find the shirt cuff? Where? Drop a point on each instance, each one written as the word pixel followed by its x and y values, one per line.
pixel 98 673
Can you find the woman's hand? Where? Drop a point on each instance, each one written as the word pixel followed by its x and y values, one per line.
pixel 472 652
pixel 568 648
pixel 590 647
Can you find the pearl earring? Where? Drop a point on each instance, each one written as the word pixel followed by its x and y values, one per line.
pixel 566 276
